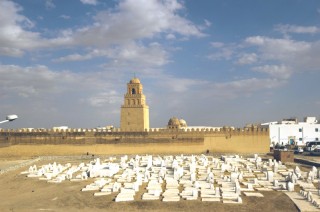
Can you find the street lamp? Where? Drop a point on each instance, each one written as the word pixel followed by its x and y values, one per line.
pixel 9 118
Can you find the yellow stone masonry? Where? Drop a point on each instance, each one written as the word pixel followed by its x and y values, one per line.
pixel 134 111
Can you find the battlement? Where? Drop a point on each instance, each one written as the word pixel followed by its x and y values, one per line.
pixel 150 131
pixel 162 140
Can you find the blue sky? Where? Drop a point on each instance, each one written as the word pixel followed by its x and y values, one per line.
pixel 213 63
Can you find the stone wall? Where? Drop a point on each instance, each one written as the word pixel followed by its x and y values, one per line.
pixel 248 140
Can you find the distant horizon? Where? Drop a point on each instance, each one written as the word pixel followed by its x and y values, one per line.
pixel 118 127
pixel 211 63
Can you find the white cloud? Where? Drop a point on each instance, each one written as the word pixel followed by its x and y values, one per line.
pixel 245 87
pixel 300 55
pixel 13 52
pixel 14 35
pixel 247 58
pixel 104 98
pixel 37 91
pixel 136 19
pixel 217 44
pixel 223 51
pixel 49 4
pixel 178 85
pixel 255 40
pixel 285 29
pixel 207 23
pixel 170 36
pixel 151 55
pixel 73 57
pixel 275 71
pixel 223 54
pixel 30 81
pixel 66 17
pixel 281 49
pixel 92 2
pixel 129 22
pixel 80 57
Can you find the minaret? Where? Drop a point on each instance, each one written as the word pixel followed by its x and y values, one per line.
pixel 134 111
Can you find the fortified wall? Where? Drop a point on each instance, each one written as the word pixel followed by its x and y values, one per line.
pixel 154 141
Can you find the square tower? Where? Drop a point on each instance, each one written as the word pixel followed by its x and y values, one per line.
pixel 134 111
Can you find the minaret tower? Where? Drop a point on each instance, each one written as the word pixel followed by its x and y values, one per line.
pixel 134 111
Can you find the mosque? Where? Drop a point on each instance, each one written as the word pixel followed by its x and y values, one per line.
pixel 135 112
pixel 136 137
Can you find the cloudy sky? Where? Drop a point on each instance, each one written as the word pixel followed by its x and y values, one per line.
pixel 210 62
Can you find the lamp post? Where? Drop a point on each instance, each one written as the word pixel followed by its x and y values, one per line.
pixel 9 118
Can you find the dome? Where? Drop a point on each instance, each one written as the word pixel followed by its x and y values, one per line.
pixel 134 80
pixel 174 122
pixel 183 123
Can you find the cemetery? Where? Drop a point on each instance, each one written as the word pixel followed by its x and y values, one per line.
pixel 182 178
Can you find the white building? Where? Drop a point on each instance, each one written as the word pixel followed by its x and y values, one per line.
pixel 290 131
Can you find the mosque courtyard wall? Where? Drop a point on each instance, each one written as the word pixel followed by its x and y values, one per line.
pixel 163 141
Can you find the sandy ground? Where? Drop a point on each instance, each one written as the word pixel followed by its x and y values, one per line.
pixel 19 193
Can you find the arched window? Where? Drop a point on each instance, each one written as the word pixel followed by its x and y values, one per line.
pixel 133 91
pixel 128 101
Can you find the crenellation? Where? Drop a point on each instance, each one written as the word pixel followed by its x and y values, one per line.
pixel 234 140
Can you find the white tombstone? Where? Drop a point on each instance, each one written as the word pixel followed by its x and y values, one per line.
pixel 97 162
pixel 116 186
pixel 84 176
pixel 237 188
pixel 240 177
pixel 157 193
pixel 69 175
pixel 270 176
pixel 290 186
pixel 160 180
pixel 239 200
pixel 297 172
pixel 217 191
pixel 294 178
pixel 275 167
pixel 314 170
pixel 195 193
pixel 210 177
pixel 208 170
pixel 309 196
pixel 233 176
pixel 31 169
pixel 311 176
pixel 174 163
pixel 193 177
pixel 136 186
pixel 211 186
pixel 196 184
